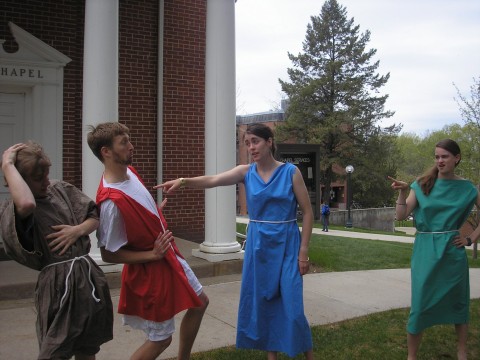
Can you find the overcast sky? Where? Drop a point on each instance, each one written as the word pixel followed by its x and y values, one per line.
pixel 425 45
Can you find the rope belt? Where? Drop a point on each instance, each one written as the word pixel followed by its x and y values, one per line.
pixel 274 221
pixel 267 222
pixel 437 232
pixel 83 257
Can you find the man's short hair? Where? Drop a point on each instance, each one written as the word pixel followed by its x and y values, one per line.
pixel 31 161
pixel 103 135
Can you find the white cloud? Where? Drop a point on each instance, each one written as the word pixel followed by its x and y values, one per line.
pixel 424 45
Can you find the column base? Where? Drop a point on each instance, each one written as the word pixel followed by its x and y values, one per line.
pixel 217 257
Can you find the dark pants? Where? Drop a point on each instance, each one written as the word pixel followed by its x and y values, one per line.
pixel 325 222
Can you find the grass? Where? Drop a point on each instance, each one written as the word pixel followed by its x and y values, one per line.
pixel 377 336
pixel 361 230
pixel 318 225
pixel 404 223
pixel 334 253
pixel 373 337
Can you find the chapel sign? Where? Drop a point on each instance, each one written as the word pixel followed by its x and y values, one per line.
pixel 12 72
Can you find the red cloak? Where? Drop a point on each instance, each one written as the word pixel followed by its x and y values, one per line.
pixel 155 290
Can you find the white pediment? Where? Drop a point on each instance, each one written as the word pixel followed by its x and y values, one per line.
pixel 32 50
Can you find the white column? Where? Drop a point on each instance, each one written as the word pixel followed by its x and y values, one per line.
pixel 220 233
pixel 100 87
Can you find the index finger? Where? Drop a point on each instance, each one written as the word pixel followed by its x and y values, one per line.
pixel 391 178
pixel 163 203
pixel 167 187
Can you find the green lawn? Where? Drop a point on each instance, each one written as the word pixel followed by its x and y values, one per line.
pixel 335 253
pixel 361 230
pixel 377 336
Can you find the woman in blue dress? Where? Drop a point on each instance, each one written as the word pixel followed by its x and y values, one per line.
pixel 271 315
pixel 441 202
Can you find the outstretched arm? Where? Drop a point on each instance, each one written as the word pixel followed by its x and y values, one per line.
pixel 230 177
pixel 404 205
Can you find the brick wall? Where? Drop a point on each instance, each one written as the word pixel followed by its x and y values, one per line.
pixel 184 112
pixel 60 24
pixel 138 71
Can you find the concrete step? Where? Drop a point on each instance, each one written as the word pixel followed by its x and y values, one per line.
pixel 18 282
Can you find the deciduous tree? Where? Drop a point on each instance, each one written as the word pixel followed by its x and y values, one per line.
pixel 470 107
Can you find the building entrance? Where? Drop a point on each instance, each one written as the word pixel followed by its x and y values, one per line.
pixel 12 126
pixel 305 157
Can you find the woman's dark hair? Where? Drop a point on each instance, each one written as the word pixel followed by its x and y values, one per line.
pixel 427 180
pixel 264 132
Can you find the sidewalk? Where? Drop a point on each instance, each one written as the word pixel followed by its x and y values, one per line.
pixel 329 297
pixel 358 235
pixel 369 236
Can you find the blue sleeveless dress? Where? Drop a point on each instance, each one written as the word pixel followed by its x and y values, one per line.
pixel 440 279
pixel 271 315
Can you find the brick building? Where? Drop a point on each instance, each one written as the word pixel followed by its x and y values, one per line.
pixel 305 156
pixel 67 64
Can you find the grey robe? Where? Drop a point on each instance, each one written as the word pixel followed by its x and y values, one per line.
pixel 69 317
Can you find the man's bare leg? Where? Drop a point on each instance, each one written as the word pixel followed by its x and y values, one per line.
pixel 150 350
pixel 190 326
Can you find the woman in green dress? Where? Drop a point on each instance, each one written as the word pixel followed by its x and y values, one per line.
pixel 441 202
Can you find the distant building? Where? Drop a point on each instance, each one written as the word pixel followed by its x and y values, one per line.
pixel 304 156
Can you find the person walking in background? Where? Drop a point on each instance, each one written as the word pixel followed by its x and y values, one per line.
pixel 157 282
pixel 271 314
pixel 45 226
pixel 441 202
pixel 325 216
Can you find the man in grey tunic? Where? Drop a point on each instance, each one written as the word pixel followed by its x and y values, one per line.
pixel 45 226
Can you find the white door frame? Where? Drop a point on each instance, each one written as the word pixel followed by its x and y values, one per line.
pixel 36 70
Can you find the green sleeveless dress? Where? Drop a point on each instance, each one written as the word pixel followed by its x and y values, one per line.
pixel 440 277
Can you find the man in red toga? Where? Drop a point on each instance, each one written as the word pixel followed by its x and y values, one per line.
pixel 157 283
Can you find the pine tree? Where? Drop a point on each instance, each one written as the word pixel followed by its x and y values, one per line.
pixel 333 92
